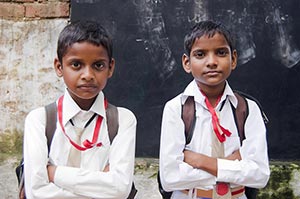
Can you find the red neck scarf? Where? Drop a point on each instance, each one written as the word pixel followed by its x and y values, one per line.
pixel 86 144
pixel 220 131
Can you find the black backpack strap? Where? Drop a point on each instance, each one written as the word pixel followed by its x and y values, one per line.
pixel 133 192
pixel 51 118
pixel 189 118
pixel 164 194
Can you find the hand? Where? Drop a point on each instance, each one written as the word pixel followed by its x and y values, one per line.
pixel 200 161
pixel 51 172
pixel 234 156
pixel 192 158
pixel 106 169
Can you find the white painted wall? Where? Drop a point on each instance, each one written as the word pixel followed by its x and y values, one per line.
pixel 27 77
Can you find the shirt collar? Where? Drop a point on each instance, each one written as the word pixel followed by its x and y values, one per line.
pixel 70 108
pixel 193 90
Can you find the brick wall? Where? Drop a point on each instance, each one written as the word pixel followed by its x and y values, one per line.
pixel 34 9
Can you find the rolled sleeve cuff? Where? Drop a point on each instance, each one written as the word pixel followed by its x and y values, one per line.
pixel 65 177
pixel 227 170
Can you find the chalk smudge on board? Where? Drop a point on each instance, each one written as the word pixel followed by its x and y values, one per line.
pixel 284 49
pixel 156 41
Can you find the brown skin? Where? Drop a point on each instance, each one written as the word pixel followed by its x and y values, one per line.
pixel 85 69
pixel 205 162
pixel 210 62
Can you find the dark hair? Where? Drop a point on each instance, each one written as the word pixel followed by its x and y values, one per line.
pixel 208 28
pixel 83 31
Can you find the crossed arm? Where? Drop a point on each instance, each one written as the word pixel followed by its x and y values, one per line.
pixel 206 163
pixel 52 168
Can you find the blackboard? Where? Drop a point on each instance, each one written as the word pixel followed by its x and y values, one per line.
pixel 148 45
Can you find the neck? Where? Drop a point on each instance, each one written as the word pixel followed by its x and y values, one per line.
pixel 212 93
pixel 84 104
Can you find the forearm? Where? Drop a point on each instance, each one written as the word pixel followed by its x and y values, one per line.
pixel 51 171
pixel 200 161
pixel 206 163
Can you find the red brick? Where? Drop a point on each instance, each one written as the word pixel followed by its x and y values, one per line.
pixel 11 10
pixel 23 1
pixel 47 10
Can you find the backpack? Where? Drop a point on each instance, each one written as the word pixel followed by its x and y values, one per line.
pixel 188 115
pixel 51 118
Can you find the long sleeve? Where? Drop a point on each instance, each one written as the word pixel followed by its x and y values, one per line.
pixel 88 181
pixel 113 184
pixel 174 172
pixel 253 170
pixel 37 184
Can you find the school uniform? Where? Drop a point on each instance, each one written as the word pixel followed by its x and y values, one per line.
pixel 87 181
pixel 252 170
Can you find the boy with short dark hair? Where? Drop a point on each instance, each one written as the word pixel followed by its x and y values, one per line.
pixel 82 163
pixel 214 164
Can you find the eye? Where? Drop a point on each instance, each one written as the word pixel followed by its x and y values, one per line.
pixel 76 64
pixel 199 54
pixel 99 66
pixel 222 52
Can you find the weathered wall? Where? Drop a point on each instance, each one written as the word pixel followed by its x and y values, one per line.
pixel 27 78
pixel 28 34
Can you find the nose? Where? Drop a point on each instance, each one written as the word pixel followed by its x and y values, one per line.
pixel 88 73
pixel 212 60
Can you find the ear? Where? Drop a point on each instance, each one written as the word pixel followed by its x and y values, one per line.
pixel 111 67
pixel 234 59
pixel 186 63
pixel 58 67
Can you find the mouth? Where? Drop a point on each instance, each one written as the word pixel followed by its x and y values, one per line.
pixel 87 87
pixel 212 73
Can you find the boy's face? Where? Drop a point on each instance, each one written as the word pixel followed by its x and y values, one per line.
pixel 85 69
pixel 211 61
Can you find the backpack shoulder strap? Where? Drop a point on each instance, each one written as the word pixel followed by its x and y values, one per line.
pixel 242 111
pixel 188 114
pixel 112 117
pixel 51 118
pixel 240 114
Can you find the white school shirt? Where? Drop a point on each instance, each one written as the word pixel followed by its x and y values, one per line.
pixel 252 170
pixel 87 181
